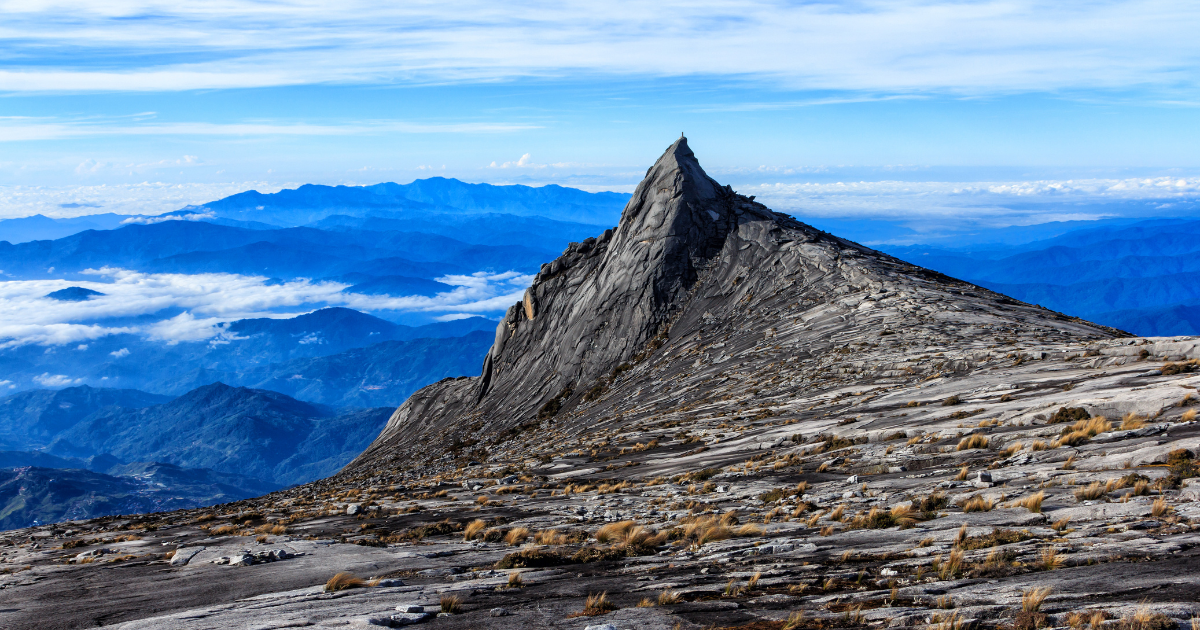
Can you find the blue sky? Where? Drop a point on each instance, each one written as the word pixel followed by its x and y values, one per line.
pixel 146 106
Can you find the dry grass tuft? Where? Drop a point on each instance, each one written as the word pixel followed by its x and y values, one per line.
pixel 950 567
pixel 1033 502
pixel 704 530
pixel 1082 431
pixel 1145 619
pixel 451 604
pixel 343 581
pixel 614 532
pixel 963 472
pixel 1132 421
pixel 1160 508
pixel 902 514
pixel 549 537
pixel 1092 492
pixel 667 598
pixel 973 441
pixel 516 535
pixel 595 605
pixel 753 582
pixel 1031 600
pixel 473 529
pixel 749 530
pixel 1050 559
pixel 1011 449
pixel 977 503
pixel 795 621
pixel 514 580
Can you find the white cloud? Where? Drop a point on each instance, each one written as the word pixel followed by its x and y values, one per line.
pixel 898 46
pixel 194 216
pixel 24 129
pixel 959 199
pixel 526 162
pixel 120 354
pixel 450 317
pixel 209 300
pixel 50 333
pixel 56 380
pixel 132 199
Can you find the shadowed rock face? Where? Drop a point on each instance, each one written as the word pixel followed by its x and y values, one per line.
pixel 691 262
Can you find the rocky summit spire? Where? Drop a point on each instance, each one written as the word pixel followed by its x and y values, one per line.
pixel 691 262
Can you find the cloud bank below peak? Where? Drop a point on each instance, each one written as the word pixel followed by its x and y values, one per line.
pixel 192 307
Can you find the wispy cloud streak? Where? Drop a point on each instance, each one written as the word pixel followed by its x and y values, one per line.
pixel 898 46
pixel 26 129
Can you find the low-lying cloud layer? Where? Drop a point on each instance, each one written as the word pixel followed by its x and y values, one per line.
pixel 199 303
pixel 1004 203
pixel 146 198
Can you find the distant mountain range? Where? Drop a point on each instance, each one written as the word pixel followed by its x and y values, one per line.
pixel 35 495
pixel 304 356
pixel 1143 277
pixel 255 433
pixel 199 247
pixel 310 203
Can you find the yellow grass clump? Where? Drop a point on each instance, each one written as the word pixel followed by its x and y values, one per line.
pixel 343 581
pixel 473 529
pixel 972 442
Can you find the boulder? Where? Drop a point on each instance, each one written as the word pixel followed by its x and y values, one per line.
pixel 184 555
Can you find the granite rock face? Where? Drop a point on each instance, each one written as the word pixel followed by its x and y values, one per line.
pixel 693 264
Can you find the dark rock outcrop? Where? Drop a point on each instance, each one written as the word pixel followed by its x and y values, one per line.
pixel 690 260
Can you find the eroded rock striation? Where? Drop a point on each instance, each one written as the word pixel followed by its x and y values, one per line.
pixel 694 282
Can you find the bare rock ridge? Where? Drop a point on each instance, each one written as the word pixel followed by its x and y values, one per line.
pixel 691 264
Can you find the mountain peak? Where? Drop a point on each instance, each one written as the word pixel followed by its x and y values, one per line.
pixel 695 284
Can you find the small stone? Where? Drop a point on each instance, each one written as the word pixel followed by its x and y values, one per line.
pixel 241 560
pixel 352 509
pixel 852 479
pixel 603 626
pixel 499 612
pixel 410 608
